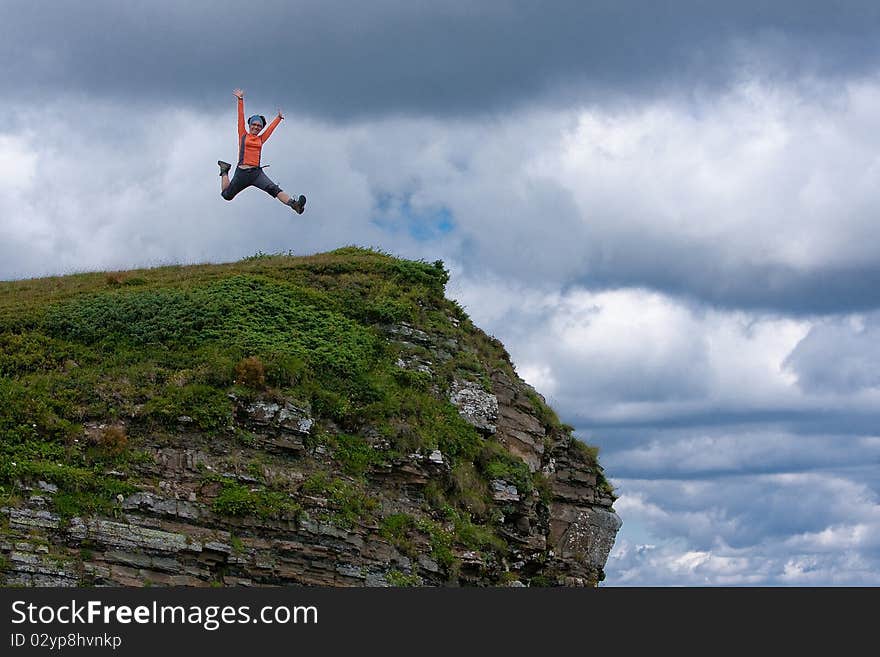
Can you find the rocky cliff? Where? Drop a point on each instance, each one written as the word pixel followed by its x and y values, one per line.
pixel 324 420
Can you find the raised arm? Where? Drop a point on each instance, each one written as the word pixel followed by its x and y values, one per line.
pixel 271 127
pixel 242 129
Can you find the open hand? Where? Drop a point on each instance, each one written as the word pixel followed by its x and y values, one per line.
pixel 238 93
pixel 280 113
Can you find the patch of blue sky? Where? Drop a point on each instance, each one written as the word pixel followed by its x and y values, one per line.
pixel 396 214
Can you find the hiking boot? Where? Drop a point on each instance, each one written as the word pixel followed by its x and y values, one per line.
pixel 224 167
pixel 299 205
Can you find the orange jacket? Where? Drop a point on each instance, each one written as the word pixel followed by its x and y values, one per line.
pixel 249 146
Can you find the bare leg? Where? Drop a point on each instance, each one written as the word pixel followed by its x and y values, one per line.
pixel 224 182
pixel 284 197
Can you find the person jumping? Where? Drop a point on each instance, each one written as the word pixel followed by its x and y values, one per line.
pixel 249 172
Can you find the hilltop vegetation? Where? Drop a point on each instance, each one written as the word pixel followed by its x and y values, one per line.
pixel 95 366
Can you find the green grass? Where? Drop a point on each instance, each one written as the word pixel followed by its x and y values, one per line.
pixel 146 347
pixel 36 443
pixel 209 408
pixel 588 453
pixel 546 415
pixel 474 536
pixel 351 503
pixel 236 544
pixel 497 463
pixel 354 454
pixel 311 321
pixel 399 579
pixel 237 500
pixel 441 541
pixel 468 490
pixel 400 529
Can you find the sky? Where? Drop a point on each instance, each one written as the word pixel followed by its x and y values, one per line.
pixel 666 211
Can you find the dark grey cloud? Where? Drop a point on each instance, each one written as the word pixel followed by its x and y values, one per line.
pixel 694 453
pixel 840 355
pixel 628 432
pixel 819 528
pixel 698 274
pixel 788 506
pixel 342 59
pixel 740 505
pixel 700 277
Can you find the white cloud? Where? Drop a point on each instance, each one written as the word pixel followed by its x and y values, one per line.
pixel 636 354
pixel 17 162
pixel 675 565
pixel 839 355
pixel 760 176
pixel 747 531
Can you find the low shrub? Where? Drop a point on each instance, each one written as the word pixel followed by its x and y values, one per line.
pixel 468 490
pixel 210 409
pixel 350 503
pixel 237 500
pixel 399 579
pixel 251 372
pixel 113 440
pixel 495 462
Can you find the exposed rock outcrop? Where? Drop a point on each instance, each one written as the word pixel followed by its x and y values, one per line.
pixel 170 533
pixel 278 493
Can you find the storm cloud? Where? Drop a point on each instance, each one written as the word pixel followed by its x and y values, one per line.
pixel 807 529
pixel 840 355
pixel 455 58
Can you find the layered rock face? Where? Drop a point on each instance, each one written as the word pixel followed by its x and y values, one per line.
pixel 283 496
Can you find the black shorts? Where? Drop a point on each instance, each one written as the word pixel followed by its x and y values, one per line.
pixel 244 178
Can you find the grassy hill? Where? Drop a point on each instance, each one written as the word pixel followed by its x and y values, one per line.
pixel 99 370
